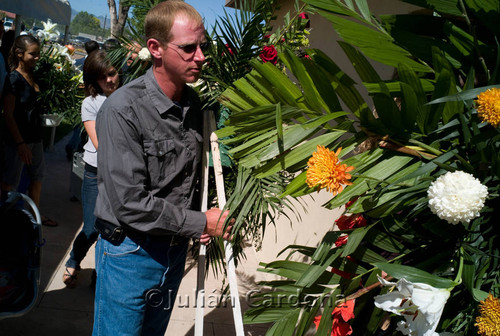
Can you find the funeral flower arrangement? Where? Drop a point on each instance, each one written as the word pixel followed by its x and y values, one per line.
pixel 57 76
pixel 416 167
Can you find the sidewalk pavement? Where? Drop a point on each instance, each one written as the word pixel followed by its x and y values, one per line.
pixel 64 311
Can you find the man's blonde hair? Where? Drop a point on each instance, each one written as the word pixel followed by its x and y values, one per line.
pixel 160 18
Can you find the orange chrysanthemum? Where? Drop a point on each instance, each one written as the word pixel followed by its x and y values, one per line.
pixel 326 171
pixel 488 106
pixel 488 323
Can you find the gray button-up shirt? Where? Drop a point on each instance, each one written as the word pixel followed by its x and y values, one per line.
pixel 148 158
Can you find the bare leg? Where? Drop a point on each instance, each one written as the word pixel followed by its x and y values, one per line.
pixel 34 191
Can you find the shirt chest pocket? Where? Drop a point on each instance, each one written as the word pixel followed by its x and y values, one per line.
pixel 160 158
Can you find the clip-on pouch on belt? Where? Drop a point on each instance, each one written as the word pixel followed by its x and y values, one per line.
pixel 109 231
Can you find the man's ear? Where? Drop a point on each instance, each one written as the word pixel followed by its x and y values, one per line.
pixel 155 48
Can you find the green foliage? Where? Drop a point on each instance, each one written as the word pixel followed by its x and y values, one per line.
pixel 423 124
pixel 86 23
pixel 139 10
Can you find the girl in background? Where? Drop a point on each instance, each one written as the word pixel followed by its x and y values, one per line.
pixel 23 120
pixel 101 79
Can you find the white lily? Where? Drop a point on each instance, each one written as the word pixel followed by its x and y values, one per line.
pixel 420 304
pixel 49 31
pixel 49 26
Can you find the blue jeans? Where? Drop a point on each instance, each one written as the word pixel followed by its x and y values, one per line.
pixel 88 235
pixel 137 283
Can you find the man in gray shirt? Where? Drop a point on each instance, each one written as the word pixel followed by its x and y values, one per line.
pixel 149 157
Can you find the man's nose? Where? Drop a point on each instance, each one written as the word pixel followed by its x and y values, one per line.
pixel 198 55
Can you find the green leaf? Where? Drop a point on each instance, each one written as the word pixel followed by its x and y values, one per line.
pixel 487 11
pixel 311 90
pixel 343 85
pixel 288 269
pixel 415 275
pixel 442 6
pixel 314 271
pixel 286 324
pixel 479 295
pixel 377 172
pixel 376 45
pixel 394 87
pixel 355 238
pixel 464 95
pixel 301 153
pixel 389 113
pixel 362 66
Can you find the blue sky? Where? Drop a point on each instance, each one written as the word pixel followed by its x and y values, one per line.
pixel 209 9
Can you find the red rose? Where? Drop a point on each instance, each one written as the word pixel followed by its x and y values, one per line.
pixel 269 54
pixel 351 222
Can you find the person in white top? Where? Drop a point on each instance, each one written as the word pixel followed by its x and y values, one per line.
pixel 101 79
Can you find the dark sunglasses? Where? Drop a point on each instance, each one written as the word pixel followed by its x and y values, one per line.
pixel 191 48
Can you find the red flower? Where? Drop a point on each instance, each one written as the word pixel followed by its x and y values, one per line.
pixel 341 241
pixel 341 315
pixel 304 16
pixel 351 222
pixel 267 36
pixel 228 49
pixel 348 204
pixel 343 274
pixel 269 54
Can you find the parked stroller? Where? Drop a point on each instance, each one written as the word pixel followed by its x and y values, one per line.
pixel 20 255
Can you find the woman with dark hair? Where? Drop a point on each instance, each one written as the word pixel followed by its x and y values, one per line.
pixel 24 122
pixel 101 79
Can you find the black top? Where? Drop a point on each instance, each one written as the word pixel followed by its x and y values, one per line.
pixel 149 158
pixel 27 112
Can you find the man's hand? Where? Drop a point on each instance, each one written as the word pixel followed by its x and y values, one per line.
pixel 215 225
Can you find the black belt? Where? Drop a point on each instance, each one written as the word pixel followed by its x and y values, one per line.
pixel 116 234
pixel 90 168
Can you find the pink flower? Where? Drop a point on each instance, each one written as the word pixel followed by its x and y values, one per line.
pixel 228 49
pixel 304 16
pixel 269 54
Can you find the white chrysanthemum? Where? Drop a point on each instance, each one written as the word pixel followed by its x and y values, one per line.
pixel 457 197
pixel 144 54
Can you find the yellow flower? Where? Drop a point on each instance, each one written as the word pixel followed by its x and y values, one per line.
pixel 488 106
pixel 325 170
pixel 488 323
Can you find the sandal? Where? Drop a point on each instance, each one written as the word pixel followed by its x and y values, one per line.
pixel 70 279
pixel 48 222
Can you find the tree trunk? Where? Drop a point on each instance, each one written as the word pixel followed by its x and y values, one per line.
pixel 118 19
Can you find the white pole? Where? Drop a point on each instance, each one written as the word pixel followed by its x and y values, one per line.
pixel 200 286
pixel 221 196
